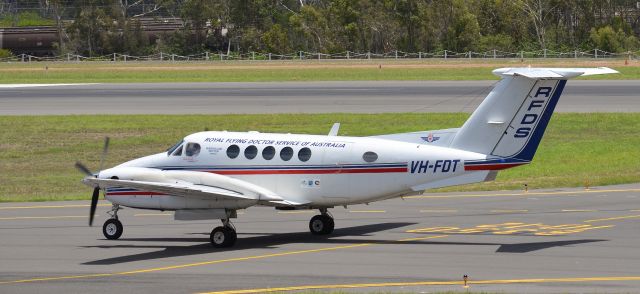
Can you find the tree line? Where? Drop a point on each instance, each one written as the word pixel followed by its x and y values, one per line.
pixel 98 27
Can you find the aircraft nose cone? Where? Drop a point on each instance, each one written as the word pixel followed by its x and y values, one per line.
pixel 87 181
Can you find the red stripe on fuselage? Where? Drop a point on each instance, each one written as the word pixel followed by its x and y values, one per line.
pixel 311 171
pixel 495 166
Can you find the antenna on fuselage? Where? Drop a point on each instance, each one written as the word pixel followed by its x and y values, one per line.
pixel 334 129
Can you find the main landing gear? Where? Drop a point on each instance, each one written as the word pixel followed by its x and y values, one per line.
pixel 321 224
pixel 112 228
pixel 224 236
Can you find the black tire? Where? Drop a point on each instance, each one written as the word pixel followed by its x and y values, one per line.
pixel 222 237
pixel 112 229
pixel 321 225
pixel 233 235
pixel 330 225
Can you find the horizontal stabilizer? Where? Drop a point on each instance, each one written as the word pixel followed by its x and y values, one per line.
pixel 435 138
pixel 552 73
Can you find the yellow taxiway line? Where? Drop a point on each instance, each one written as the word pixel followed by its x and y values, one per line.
pixel 429 283
pixel 422 238
pixel 49 206
pixel 180 266
pixel 367 211
pixel 44 217
pixel 522 194
pixel 157 269
pixel 74 216
pixel 611 218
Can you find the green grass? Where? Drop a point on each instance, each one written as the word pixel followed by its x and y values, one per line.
pixel 25 19
pixel 265 71
pixel 37 153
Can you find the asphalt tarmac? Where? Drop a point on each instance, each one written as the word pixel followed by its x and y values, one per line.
pixel 567 240
pixel 295 97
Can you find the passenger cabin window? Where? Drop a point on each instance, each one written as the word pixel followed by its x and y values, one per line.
pixel 370 156
pixel 268 152
pixel 192 149
pixel 286 153
pixel 178 151
pixel 251 152
pixel 304 154
pixel 233 151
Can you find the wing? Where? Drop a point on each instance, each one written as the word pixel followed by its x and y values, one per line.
pixel 179 188
pixel 188 184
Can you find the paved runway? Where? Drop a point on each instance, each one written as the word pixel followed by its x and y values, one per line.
pixel 568 240
pixel 295 97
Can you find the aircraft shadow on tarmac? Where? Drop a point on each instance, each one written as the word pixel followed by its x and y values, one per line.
pixel 273 240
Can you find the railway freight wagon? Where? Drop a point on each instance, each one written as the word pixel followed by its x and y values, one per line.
pixel 36 41
pixel 39 40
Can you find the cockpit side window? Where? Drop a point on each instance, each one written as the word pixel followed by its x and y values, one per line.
pixel 178 151
pixel 192 149
pixel 174 147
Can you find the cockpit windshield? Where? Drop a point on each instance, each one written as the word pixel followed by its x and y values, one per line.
pixel 174 147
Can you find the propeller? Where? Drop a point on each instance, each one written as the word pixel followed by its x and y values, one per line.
pixel 83 169
pixel 96 191
pixel 94 204
pixel 105 150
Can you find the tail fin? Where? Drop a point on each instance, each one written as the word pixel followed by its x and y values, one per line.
pixel 509 124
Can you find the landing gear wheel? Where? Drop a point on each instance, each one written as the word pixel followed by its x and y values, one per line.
pixel 222 237
pixel 112 229
pixel 321 225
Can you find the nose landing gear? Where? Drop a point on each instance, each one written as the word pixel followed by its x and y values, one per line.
pixel 321 224
pixel 112 228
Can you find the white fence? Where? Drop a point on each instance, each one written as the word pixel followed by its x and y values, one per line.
pixel 301 55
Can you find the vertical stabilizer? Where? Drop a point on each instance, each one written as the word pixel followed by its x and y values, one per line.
pixel 509 124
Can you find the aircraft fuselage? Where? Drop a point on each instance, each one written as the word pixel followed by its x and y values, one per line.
pixel 322 171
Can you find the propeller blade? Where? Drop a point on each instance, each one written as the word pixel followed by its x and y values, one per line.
pixel 83 168
pixel 105 150
pixel 94 204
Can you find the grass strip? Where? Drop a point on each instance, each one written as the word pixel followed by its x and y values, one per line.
pixel 266 71
pixel 37 153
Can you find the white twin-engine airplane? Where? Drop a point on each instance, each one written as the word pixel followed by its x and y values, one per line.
pixel 211 175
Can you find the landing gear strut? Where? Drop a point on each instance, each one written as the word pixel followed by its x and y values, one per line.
pixel 112 228
pixel 321 224
pixel 224 236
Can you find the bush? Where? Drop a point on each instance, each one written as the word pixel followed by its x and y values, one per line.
pixel 5 53
pixel 610 40
pixel 501 42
